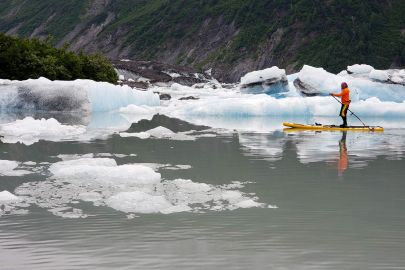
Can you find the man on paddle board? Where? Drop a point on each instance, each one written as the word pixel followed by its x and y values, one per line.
pixel 345 99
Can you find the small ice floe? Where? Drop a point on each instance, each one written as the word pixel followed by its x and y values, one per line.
pixel 29 131
pixel 10 204
pixel 6 196
pixel 159 133
pixel 130 188
pixel 9 168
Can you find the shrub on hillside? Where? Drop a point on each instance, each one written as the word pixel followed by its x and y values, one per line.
pixel 22 59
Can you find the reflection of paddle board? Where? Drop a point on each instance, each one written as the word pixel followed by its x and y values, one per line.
pixel 294 126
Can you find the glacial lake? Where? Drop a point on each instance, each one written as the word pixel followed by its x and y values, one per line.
pixel 276 199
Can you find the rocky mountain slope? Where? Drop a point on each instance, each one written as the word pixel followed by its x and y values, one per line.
pixel 230 36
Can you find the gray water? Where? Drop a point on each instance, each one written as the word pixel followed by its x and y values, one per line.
pixel 328 217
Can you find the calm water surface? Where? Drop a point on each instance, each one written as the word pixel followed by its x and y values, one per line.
pixel 340 199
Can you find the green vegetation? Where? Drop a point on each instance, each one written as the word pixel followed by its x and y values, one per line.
pixel 331 34
pixel 31 58
pixel 352 31
pixel 54 16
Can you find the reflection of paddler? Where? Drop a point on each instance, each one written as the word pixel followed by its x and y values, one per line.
pixel 343 159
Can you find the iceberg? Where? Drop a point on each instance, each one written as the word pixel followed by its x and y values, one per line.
pixel 312 81
pixel 79 95
pixel 359 69
pixel 271 81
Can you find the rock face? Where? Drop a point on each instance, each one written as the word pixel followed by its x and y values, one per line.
pixel 144 73
pixel 230 37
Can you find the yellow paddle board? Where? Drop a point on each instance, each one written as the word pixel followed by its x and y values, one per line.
pixel 294 126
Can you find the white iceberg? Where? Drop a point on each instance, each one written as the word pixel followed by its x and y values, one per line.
pixel 79 95
pixel 360 69
pixel 30 130
pixel 271 81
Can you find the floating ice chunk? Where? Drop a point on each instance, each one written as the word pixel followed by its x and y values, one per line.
pixel 316 81
pixel 231 195
pixel 30 163
pixel 66 157
pixel 379 75
pixel 271 81
pixel 273 73
pixel 398 76
pixel 29 131
pixel 360 69
pixel 248 204
pixel 138 202
pixel 159 133
pixel 68 212
pixel 176 209
pixel 167 197
pixel 6 196
pixel 103 171
pixel 7 168
pixel 79 95
pixel 178 167
pixel 141 135
pixel 90 196
pixel 7 165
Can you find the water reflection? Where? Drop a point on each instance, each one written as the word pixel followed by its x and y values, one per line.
pixel 343 158
pixel 329 147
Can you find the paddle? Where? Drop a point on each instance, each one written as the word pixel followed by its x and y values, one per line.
pixel 350 111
